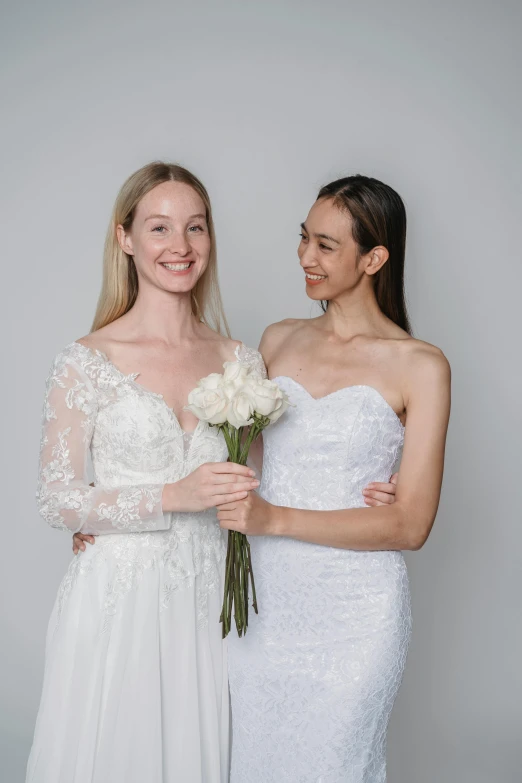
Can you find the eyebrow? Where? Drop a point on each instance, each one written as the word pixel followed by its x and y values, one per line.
pixel 167 217
pixel 321 236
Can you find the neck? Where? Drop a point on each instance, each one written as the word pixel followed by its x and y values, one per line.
pixel 162 315
pixel 354 313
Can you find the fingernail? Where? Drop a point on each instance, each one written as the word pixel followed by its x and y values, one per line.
pixel 255 483
pixel 252 473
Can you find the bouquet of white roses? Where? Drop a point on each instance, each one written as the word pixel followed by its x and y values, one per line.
pixel 241 404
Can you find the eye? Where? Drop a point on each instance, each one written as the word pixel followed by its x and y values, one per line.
pixel 303 236
pixel 159 229
pixel 323 246
pixel 196 229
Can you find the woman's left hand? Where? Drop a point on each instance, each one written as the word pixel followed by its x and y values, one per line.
pixel 252 516
pixel 378 494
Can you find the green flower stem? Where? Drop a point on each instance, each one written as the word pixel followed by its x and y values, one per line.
pixel 238 568
pixel 251 572
pixel 228 440
pixel 252 435
pixel 238 614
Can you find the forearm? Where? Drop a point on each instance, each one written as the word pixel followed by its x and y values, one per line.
pixel 379 528
pixel 174 498
pixel 125 509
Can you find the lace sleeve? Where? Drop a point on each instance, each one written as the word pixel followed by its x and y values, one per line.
pixel 65 499
pixel 252 359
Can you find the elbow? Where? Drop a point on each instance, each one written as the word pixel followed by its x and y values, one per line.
pixel 415 541
pixel 43 504
pixel 412 533
pixel 49 511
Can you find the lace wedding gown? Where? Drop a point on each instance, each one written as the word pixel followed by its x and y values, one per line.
pixel 135 685
pixel 313 681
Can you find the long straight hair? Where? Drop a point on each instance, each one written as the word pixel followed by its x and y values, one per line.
pixel 120 279
pixel 378 218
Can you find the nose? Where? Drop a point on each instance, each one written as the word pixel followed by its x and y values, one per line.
pixel 179 244
pixel 307 257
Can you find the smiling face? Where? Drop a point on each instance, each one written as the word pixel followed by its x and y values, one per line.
pixel 327 251
pixel 169 238
pixel 329 255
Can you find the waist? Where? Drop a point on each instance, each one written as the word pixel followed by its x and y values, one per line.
pixel 319 501
pixel 284 563
pixel 187 529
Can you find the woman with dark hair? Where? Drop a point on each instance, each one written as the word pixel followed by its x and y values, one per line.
pixel 314 680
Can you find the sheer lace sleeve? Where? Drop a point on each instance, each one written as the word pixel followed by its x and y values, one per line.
pixel 252 359
pixel 65 498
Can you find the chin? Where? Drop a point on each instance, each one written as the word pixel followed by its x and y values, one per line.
pixel 181 289
pixel 317 292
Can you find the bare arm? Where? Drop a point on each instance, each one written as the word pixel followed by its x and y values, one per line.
pixel 405 524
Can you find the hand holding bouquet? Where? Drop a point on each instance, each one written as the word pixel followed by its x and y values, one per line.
pixel 241 404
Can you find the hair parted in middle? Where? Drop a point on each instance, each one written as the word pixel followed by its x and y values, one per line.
pixel 120 279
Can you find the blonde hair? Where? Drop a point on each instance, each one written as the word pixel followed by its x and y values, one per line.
pixel 120 279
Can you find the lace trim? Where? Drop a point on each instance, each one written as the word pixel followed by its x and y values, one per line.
pixel 251 359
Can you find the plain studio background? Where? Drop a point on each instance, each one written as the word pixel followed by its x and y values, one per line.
pixel 266 102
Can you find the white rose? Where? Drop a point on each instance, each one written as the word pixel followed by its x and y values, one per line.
pixel 212 381
pixel 210 405
pixel 241 408
pixel 235 373
pixel 269 400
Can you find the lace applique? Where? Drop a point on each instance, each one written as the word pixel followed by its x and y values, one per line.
pixel 251 359
pixel 313 682
pixel 65 498
pixel 124 513
pixel 94 411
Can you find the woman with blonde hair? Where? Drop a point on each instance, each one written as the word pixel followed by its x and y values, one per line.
pixel 135 686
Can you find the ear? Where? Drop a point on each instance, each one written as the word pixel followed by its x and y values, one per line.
pixel 375 259
pixel 124 240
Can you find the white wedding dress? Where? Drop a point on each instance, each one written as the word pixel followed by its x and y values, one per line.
pixel 313 681
pixel 135 685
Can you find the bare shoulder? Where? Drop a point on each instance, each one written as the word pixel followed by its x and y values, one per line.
pixel 422 356
pixel 427 371
pixel 275 334
pixel 218 341
pixel 100 340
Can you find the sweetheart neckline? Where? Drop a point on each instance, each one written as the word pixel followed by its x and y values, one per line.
pixel 342 389
pixel 131 378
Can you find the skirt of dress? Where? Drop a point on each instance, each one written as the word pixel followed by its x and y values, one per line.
pixel 313 682
pixel 135 687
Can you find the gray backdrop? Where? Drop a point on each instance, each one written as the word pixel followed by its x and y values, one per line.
pixel 267 101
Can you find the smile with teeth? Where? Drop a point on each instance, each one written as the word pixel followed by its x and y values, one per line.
pixel 177 267
pixel 314 277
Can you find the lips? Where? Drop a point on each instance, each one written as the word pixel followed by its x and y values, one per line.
pixel 177 267
pixel 314 279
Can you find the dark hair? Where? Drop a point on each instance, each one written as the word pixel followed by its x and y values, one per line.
pixel 378 218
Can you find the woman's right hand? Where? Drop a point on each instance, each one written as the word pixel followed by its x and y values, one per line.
pixel 210 485
pixel 79 540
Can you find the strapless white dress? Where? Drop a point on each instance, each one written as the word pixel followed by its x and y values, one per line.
pixel 314 680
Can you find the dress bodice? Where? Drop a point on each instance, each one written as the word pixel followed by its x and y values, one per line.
pixel 323 452
pixel 136 437
pixel 95 415
pixel 108 448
